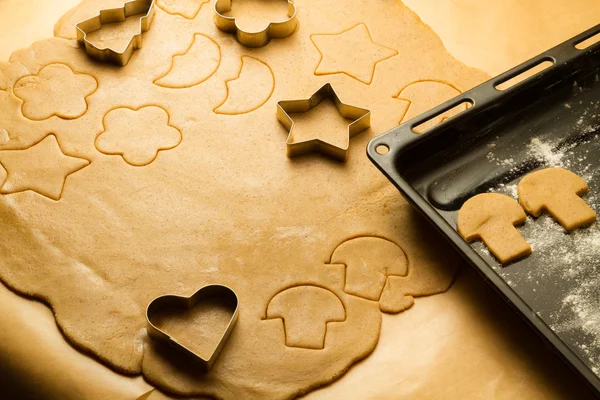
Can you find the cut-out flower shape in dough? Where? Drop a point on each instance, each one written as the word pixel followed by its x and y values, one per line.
pixel 56 90
pixel 137 135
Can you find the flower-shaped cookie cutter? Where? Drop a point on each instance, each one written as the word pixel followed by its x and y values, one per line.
pixel 361 120
pixel 174 301
pixel 255 39
pixel 111 15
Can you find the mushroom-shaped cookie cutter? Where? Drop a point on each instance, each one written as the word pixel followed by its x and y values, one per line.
pixel 174 301
pixel 112 15
pixel 255 39
pixel 361 120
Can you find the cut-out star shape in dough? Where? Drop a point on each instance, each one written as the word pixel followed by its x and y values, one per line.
pixel 42 168
pixel 352 52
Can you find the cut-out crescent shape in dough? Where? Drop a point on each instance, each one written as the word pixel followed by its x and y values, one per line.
pixel 249 90
pixel 198 63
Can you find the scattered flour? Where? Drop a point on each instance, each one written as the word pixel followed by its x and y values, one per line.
pixel 572 261
pixel 542 151
pixel 568 264
pixel 509 190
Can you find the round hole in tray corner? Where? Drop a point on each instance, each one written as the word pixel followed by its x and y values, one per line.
pixel 382 149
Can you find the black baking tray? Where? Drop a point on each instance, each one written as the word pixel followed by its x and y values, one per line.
pixel 549 119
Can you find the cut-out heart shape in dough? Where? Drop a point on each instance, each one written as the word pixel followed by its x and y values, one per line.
pixel 204 321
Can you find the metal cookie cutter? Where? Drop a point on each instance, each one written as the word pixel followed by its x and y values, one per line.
pixel 361 120
pixel 112 15
pixel 174 301
pixel 255 39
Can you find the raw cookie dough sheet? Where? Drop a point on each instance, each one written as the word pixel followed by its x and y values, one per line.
pixel 121 184
pixel 317 207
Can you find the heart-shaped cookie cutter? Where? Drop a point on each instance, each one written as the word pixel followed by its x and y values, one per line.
pixel 174 301
pixel 111 15
pixel 255 39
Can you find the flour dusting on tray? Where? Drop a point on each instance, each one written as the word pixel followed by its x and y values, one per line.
pixel 566 261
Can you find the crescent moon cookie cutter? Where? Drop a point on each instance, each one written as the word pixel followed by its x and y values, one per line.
pixel 186 303
pixel 255 39
pixel 361 121
pixel 112 15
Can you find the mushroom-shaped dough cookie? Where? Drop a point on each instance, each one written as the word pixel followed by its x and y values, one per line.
pixel 556 191
pixel 369 261
pixel 306 310
pixel 492 217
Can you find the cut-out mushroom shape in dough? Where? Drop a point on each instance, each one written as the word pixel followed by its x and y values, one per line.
pixel 556 191
pixel 369 261
pixel 424 95
pixel 492 217
pixel 306 310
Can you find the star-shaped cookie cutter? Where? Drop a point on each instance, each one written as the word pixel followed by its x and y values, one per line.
pixel 174 301
pixel 111 15
pixel 255 39
pixel 361 120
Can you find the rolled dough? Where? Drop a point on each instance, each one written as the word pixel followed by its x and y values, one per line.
pixel 463 347
pixel 225 204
